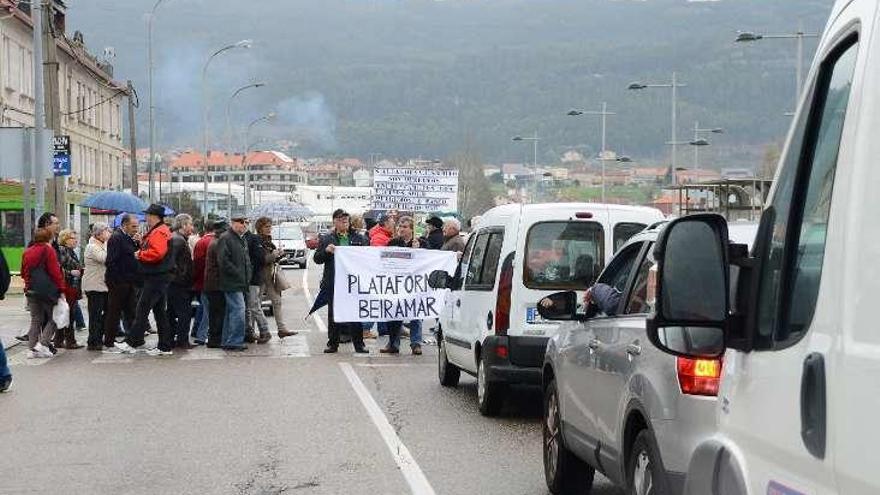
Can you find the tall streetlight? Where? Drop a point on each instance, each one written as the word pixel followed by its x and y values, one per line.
pixel 697 132
pixel 534 141
pixel 152 124
pixel 229 137
pixel 674 85
pixel 799 35
pixel 244 165
pixel 205 111
pixel 604 113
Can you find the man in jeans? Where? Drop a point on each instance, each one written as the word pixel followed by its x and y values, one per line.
pixel 180 291
pixel 156 264
pixel 123 279
pixel 235 276
pixel 255 291
pixel 200 257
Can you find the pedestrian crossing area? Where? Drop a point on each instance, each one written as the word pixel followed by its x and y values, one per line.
pixel 289 348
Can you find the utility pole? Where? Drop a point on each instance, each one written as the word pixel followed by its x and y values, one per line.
pixel 53 107
pixel 132 140
pixel 38 156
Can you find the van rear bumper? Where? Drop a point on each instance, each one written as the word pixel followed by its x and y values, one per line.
pixel 510 359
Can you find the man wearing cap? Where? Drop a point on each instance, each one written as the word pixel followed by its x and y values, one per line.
pixel 341 235
pixel 157 265
pixel 235 276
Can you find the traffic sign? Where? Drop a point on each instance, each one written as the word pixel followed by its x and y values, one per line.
pixel 61 164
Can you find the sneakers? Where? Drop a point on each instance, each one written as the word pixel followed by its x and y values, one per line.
pixel 417 350
pixel 5 383
pixel 156 352
pixel 123 347
pixel 39 352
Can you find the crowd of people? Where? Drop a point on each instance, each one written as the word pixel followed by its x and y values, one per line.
pixel 390 229
pixel 126 275
pixel 202 289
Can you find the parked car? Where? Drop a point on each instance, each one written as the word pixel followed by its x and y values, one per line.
pixel 799 392
pixel 490 326
pixel 613 403
pixel 289 237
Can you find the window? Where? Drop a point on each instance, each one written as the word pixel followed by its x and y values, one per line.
pixel 563 255
pixel 490 262
pixel 802 204
pixel 638 298
pixel 475 268
pixel 624 231
pixel 618 271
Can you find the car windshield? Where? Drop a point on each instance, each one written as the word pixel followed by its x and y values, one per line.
pixel 563 255
pixel 287 233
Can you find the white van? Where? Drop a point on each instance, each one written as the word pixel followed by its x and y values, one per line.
pixel 519 254
pixel 800 387
pixel 289 237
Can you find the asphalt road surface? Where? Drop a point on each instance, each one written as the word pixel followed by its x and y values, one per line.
pixel 279 418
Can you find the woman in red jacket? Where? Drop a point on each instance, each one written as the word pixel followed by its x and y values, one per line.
pixel 41 255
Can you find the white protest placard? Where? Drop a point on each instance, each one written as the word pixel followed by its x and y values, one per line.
pixel 388 284
pixel 414 189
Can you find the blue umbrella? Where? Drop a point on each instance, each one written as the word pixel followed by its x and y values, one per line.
pixel 321 300
pixel 282 212
pixel 115 201
pixel 140 216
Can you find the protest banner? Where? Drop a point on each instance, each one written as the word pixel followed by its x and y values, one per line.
pixel 414 189
pixel 388 284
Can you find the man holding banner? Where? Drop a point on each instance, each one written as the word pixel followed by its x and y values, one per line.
pixel 341 235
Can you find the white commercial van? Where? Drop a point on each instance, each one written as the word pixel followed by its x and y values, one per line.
pixel 519 254
pixel 800 388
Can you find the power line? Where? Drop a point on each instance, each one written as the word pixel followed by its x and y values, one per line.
pixel 105 100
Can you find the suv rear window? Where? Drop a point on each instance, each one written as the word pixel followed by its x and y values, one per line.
pixel 563 255
pixel 623 231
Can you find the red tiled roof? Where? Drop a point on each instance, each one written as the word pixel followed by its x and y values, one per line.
pixel 191 160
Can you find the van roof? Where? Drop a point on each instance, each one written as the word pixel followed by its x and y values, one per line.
pixel 513 207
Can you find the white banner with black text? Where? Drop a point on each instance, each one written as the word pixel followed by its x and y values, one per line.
pixel 388 284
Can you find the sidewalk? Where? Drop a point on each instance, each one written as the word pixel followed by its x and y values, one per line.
pixel 14 319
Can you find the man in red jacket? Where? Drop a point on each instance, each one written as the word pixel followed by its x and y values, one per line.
pixel 200 257
pixel 156 265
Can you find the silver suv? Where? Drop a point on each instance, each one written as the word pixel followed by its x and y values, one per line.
pixel 612 401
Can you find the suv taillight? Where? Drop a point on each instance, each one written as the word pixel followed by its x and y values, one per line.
pixel 502 303
pixel 699 376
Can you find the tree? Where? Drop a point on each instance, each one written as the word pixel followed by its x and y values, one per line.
pixel 474 192
pixel 772 154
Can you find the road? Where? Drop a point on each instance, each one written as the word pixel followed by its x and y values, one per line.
pixel 279 418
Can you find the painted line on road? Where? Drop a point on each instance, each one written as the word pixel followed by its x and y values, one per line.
pixel 391 365
pixel 413 474
pixel 318 321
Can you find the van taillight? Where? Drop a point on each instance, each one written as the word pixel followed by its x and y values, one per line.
pixel 699 376
pixel 502 303
pixel 583 215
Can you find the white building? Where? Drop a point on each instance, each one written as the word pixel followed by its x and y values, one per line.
pixel 324 199
pixel 91 101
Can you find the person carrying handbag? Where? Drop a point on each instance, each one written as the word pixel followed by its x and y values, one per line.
pixel 272 276
pixel 73 272
pixel 43 286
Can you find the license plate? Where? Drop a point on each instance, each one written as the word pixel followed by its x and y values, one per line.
pixel 533 317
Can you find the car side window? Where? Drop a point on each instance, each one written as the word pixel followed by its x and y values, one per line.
pixel 802 204
pixel 638 297
pixel 618 271
pixel 465 261
pixel 623 231
pixel 475 268
pixel 490 263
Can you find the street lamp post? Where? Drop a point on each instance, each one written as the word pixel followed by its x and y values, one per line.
pixel 205 112
pixel 244 164
pixel 534 141
pixel 229 139
pixel 799 36
pixel 604 113
pixel 697 132
pixel 674 85
pixel 152 124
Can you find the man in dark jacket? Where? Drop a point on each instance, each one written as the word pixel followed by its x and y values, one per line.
pixel 235 277
pixel 211 286
pixel 180 292
pixel 5 373
pixel 434 238
pixel 156 265
pixel 341 235
pixel 122 278
pixel 255 291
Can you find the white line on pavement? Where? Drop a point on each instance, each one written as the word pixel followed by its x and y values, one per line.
pixel 416 479
pixel 318 321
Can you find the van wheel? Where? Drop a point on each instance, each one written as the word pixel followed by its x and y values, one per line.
pixel 448 372
pixel 645 474
pixel 563 471
pixel 490 395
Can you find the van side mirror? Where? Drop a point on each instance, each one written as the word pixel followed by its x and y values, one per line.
pixel 439 279
pixel 561 306
pixel 693 278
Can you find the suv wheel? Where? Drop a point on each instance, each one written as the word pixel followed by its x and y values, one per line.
pixel 490 395
pixel 645 473
pixel 563 471
pixel 448 372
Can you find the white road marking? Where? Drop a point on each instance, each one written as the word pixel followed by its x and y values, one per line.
pixel 413 474
pixel 391 365
pixel 202 353
pixel 318 321
pixel 296 346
